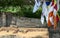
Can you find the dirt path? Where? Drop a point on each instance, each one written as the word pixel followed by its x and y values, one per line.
pixel 24 32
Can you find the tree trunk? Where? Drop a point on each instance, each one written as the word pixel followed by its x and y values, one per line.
pixel 8 19
pixel 0 19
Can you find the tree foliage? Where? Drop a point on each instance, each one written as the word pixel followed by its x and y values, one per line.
pixel 15 2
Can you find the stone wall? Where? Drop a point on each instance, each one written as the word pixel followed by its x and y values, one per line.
pixel 27 22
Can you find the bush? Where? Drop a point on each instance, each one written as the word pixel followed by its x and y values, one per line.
pixel 28 12
pixel 25 10
pixel 15 10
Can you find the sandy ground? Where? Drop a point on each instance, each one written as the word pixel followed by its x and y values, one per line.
pixel 25 32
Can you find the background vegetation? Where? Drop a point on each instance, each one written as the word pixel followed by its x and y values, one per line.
pixel 20 8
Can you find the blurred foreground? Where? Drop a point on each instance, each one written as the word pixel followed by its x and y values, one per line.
pixel 14 32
